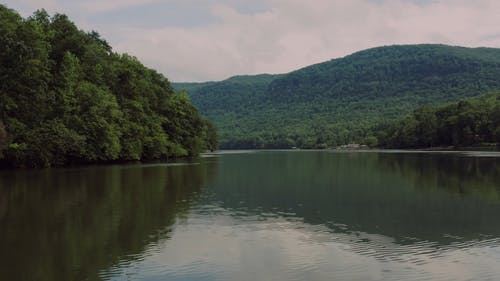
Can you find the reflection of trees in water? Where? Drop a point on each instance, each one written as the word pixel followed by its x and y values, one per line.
pixel 68 224
pixel 478 176
pixel 408 197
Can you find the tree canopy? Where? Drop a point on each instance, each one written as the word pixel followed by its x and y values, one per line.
pixel 468 122
pixel 66 97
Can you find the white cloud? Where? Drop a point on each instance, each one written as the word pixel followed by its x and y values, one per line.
pixel 283 35
pixel 295 33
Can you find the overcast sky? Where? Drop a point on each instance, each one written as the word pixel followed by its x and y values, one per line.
pixel 200 40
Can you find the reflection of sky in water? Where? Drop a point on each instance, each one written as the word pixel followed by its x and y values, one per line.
pixel 495 154
pixel 482 153
pixel 310 215
pixel 222 247
pixel 273 215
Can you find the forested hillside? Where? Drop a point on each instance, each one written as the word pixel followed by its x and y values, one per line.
pixel 66 97
pixel 469 122
pixel 345 99
pixel 235 94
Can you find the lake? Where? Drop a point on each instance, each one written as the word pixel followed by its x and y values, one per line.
pixel 257 215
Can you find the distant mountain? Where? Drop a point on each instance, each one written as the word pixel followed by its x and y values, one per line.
pixel 233 94
pixel 342 100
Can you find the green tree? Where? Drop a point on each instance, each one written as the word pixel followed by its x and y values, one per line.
pixel 465 123
pixel 66 97
pixel 211 135
pixel 426 126
pixel 98 118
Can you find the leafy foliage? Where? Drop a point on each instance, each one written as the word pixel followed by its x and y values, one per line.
pixel 465 123
pixel 66 97
pixel 342 100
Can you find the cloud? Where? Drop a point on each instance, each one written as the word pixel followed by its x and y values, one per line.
pixel 293 33
pixel 27 7
pixel 277 36
pixel 99 6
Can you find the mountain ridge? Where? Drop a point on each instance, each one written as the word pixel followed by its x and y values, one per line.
pixel 341 100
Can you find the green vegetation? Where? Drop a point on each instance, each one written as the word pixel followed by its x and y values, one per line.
pixel 343 100
pixel 66 97
pixel 468 122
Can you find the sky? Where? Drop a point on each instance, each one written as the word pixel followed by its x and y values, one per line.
pixel 206 40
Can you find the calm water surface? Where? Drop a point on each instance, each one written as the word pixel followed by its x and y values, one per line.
pixel 296 215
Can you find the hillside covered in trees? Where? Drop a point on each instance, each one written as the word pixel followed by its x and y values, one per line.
pixel 66 97
pixel 343 100
pixel 469 122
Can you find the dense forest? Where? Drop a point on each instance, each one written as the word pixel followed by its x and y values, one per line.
pixel 343 100
pixel 468 122
pixel 66 97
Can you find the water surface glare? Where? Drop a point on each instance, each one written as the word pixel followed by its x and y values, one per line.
pixel 268 215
